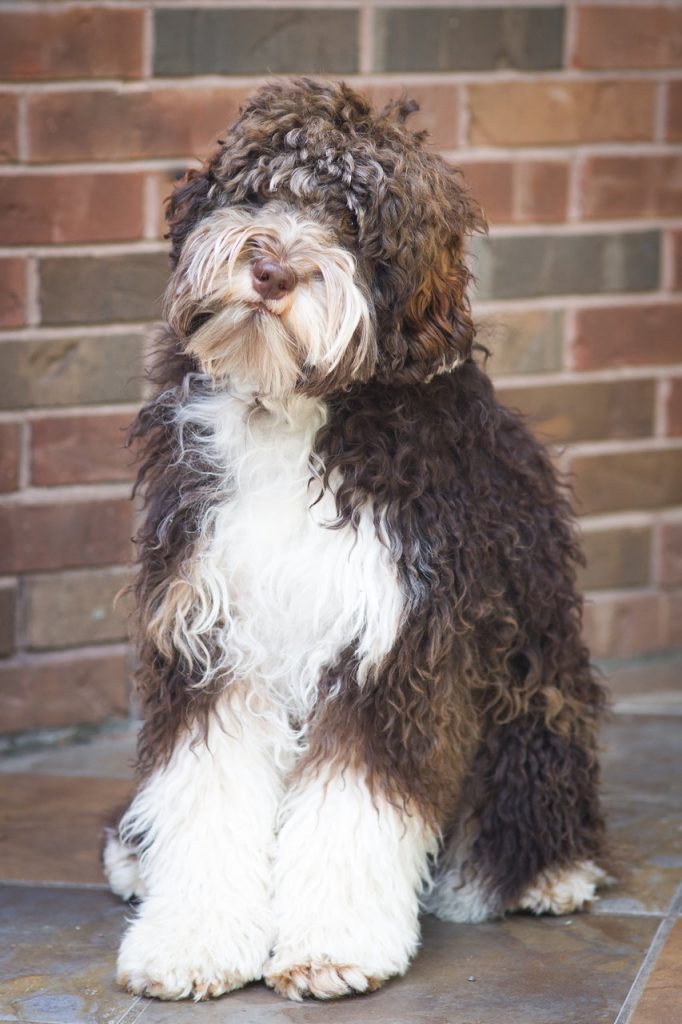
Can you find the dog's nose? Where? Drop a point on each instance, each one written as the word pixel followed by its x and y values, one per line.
pixel 272 280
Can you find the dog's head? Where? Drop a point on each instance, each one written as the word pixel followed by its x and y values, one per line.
pixel 321 245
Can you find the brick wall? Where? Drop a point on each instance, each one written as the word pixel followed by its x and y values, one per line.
pixel 567 121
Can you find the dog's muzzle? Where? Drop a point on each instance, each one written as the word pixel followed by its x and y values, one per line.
pixel 272 280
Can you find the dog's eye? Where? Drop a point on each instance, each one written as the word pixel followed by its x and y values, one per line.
pixel 198 321
pixel 351 222
pixel 317 275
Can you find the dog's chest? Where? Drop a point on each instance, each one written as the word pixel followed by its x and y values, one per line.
pixel 299 591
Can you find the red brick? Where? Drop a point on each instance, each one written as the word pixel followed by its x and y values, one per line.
pixel 674 127
pixel 39 208
pixel 9 122
pixel 12 292
pixel 632 186
pixel 673 408
pixel 80 449
pixel 520 191
pixel 78 42
pixel 109 125
pixel 561 113
pixel 676 256
pixel 53 691
pixel 10 452
pixel 628 37
pixel 670 555
pixel 64 535
pixel 628 336
pixel 439 109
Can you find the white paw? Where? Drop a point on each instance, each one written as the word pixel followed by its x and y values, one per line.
pixel 564 890
pixel 121 868
pixel 174 955
pixel 321 978
pixel 341 963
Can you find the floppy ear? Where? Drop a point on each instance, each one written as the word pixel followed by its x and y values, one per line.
pixel 437 327
pixel 190 201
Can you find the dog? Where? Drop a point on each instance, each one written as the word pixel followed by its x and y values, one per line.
pixel 364 686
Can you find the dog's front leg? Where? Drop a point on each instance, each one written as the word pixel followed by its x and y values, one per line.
pixel 204 825
pixel 348 870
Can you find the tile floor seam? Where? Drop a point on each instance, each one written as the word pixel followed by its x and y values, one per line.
pixel 42 884
pixel 632 999
pixel 24 1020
pixel 144 1006
pixel 139 1004
pixel 605 911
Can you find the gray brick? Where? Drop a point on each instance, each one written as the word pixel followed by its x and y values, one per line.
pixel 585 412
pixel 620 481
pixel 87 289
pixel 530 265
pixel 469 38
pixel 255 41
pixel 617 557
pixel 528 342
pixel 70 608
pixel 8 618
pixel 74 371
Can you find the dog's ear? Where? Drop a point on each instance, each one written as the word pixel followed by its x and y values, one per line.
pixel 190 201
pixel 437 327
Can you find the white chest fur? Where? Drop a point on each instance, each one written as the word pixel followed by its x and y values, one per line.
pixel 290 592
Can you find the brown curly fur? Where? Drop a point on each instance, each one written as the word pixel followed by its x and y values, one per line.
pixel 484 713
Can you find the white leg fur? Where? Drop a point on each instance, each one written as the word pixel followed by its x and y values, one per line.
pixel 205 925
pixel 451 899
pixel 564 890
pixel 348 871
pixel 122 868
pixel 455 895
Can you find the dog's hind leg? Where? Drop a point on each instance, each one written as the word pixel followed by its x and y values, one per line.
pixel 204 826
pixel 531 834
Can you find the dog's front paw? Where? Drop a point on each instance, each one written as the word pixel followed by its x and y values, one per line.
pixel 319 977
pixel 171 957
pixel 161 977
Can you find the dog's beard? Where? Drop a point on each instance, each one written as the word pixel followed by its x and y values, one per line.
pixel 318 334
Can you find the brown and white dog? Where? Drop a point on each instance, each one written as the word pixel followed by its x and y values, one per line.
pixel 361 666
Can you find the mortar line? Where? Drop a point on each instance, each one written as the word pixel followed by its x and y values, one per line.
pixel 366 40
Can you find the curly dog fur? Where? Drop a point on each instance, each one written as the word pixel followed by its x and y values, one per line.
pixel 360 639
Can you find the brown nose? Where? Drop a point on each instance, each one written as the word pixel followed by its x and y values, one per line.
pixel 272 280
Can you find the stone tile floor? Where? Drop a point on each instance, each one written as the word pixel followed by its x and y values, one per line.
pixel 619 964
